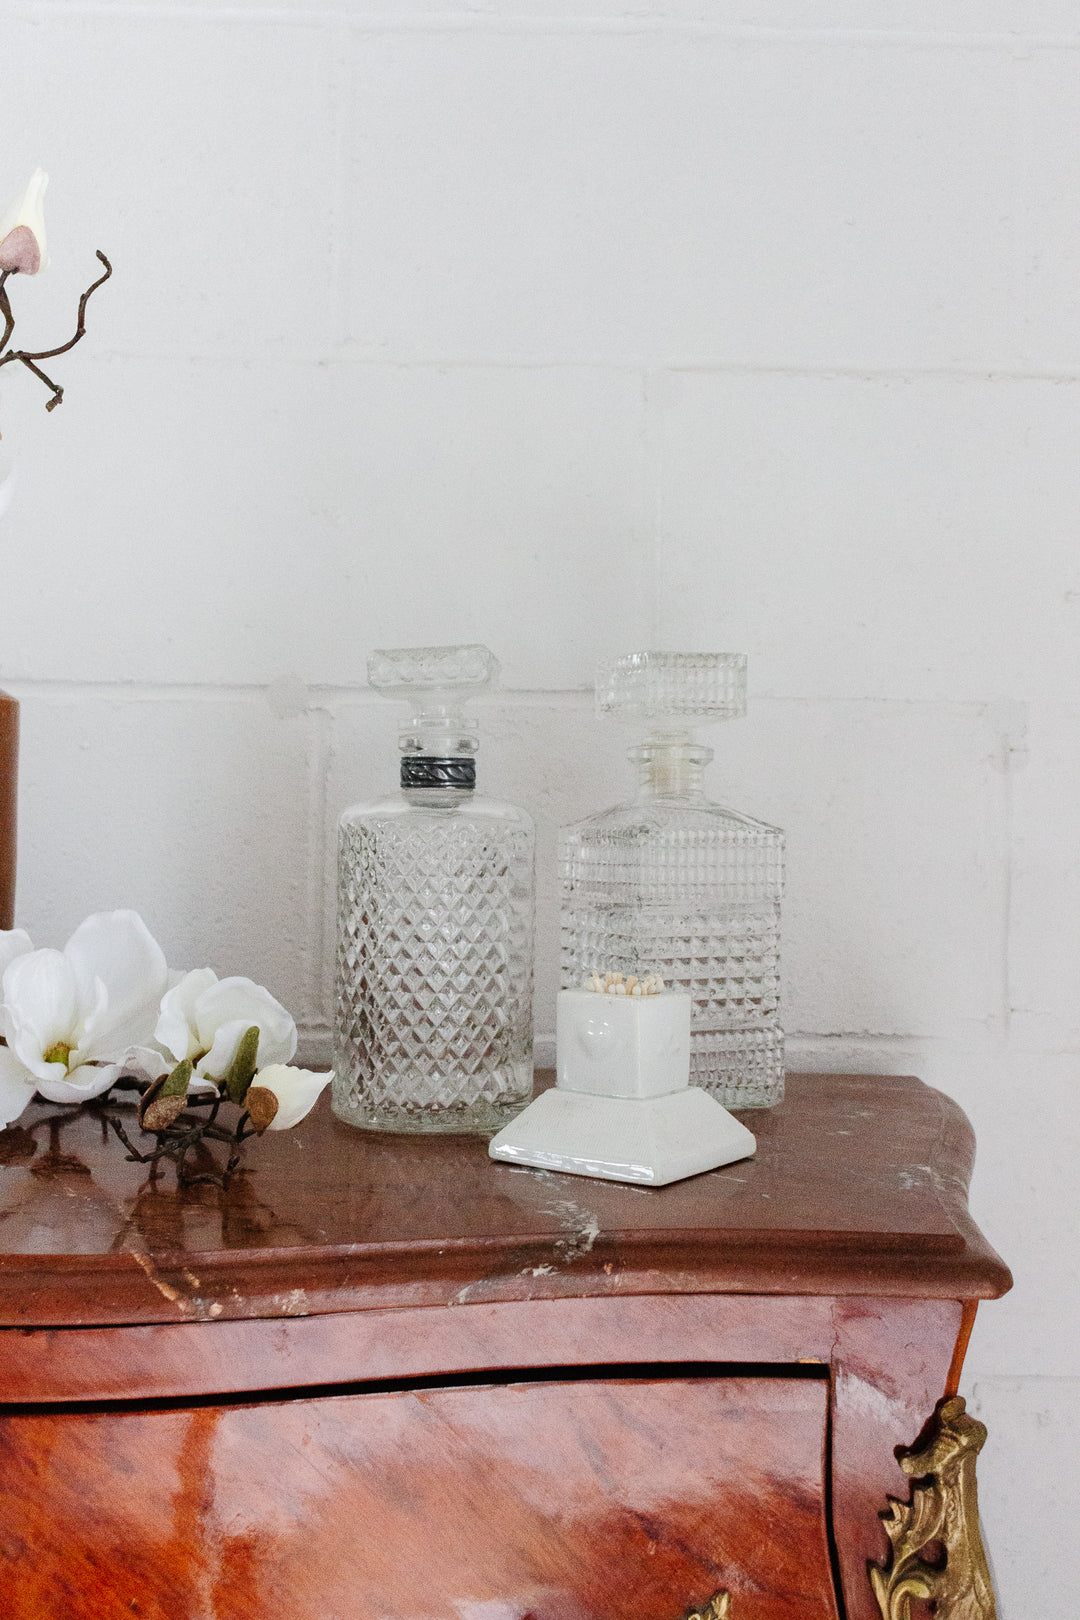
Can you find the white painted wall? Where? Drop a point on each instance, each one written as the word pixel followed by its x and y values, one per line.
pixel 566 324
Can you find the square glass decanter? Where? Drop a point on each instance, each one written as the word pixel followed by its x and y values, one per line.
pixel 433 1015
pixel 672 883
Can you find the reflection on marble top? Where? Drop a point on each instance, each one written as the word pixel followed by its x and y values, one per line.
pixel 859 1185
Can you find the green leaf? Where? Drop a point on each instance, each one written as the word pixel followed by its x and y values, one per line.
pixel 176 1084
pixel 242 1071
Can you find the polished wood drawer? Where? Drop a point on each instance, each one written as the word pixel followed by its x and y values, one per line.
pixel 582 1498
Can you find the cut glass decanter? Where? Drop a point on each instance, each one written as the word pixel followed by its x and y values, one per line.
pixel 433 1020
pixel 674 884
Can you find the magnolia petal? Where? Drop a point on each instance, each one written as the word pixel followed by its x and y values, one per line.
pixel 40 1007
pixel 177 1029
pixel 13 941
pixel 142 1063
pixel 17 1086
pixel 240 1000
pixel 219 1060
pixel 79 1085
pixel 91 1016
pixel 117 948
pixel 27 215
pixel 296 1090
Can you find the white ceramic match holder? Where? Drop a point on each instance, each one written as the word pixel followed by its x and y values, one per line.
pixel 622 1107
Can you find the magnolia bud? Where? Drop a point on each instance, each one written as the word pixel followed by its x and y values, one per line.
pixel 22 230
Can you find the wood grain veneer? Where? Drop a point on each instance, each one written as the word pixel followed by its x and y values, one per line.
pixel 603 1500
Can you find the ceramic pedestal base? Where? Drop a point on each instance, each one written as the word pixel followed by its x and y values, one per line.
pixel 648 1140
pixel 622 1108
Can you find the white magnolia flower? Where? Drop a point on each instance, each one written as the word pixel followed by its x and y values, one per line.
pixel 13 942
pixel 204 1018
pixel 17 1087
pixel 76 1020
pixel 22 230
pixel 280 1097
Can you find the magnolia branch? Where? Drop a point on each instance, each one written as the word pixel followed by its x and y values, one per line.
pixel 184 1135
pixel 30 357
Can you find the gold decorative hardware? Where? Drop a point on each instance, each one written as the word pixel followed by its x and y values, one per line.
pixel 717 1608
pixel 937 1552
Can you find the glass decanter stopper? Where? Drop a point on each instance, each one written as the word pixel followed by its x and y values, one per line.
pixel 674 884
pixel 433 1015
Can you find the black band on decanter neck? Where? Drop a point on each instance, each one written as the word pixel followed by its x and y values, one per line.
pixel 426 771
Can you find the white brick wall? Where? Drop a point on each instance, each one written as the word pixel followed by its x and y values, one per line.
pixel 579 324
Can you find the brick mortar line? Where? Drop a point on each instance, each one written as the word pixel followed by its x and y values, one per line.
pixel 1013 42
pixel 651 368
pixel 323 696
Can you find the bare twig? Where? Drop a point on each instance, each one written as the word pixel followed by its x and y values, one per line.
pixel 185 1136
pixel 80 330
pixel 58 392
pixel 27 357
pixel 5 311
pixel 133 1152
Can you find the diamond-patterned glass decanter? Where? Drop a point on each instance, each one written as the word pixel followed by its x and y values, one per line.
pixel 433 1018
pixel 677 885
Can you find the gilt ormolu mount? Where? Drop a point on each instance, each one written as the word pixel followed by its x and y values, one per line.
pixel 717 1608
pixel 937 1552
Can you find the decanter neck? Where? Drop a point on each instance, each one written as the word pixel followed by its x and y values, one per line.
pixel 439 731
pixel 438 753
pixel 670 765
pixel 431 773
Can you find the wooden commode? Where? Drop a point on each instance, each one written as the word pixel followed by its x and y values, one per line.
pixel 383 1378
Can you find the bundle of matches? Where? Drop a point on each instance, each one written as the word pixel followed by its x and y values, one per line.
pixel 614 984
